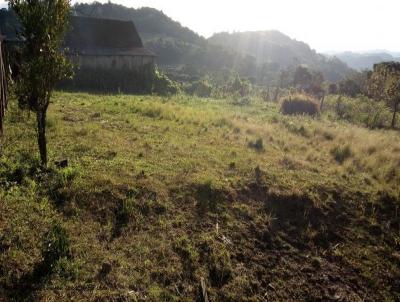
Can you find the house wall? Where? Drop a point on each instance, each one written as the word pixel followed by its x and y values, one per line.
pixel 131 74
pixel 113 62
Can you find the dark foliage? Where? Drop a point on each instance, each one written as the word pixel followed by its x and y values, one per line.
pixel 299 104
pixel 101 80
pixel 163 85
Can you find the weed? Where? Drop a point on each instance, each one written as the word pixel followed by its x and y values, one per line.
pixel 189 255
pixel 341 153
pixel 55 247
pixel 208 196
pixel 257 145
pixel 220 270
pixel 124 214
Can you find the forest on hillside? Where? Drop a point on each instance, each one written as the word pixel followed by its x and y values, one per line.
pixel 178 46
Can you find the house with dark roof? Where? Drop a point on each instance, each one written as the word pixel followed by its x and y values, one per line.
pixel 108 55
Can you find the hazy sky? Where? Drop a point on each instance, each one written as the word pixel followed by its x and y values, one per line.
pixel 326 25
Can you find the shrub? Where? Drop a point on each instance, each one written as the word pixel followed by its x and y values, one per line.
pixel 361 110
pixel 241 101
pixel 162 85
pixel 200 88
pixel 238 86
pixel 299 104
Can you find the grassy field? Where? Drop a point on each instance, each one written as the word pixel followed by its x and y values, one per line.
pixel 162 192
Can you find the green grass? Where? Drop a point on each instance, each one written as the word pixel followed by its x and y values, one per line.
pixel 161 192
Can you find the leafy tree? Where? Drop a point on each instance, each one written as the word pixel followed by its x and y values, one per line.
pixel 283 81
pixel 384 84
pixel 355 83
pixel 309 82
pixel 332 89
pixel 316 86
pixel 302 78
pixel 349 87
pixel 44 24
pixel 361 79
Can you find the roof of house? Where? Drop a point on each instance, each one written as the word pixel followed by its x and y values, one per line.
pixel 93 36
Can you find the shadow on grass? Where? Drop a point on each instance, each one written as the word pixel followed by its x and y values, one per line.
pixel 55 247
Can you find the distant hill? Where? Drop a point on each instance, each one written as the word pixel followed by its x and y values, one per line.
pixel 175 44
pixel 150 22
pixel 257 55
pixel 276 47
pixel 360 61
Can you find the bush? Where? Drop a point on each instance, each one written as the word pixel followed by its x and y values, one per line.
pixel 361 110
pixel 299 104
pixel 238 86
pixel 162 85
pixel 200 88
pixel 241 101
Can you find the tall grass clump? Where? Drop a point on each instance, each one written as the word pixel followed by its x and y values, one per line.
pixel 55 247
pixel 341 153
pixel 299 104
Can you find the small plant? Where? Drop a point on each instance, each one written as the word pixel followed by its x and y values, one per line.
pixel 126 210
pixel 341 153
pixel 258 174
pixel 316 262
pixel 123 215
pixel 208 196
pixel 299 104
pixel 189 255
pixel 56 183
pixel 220 268
pixel 257 145
pixel 341 108
pixel 56 246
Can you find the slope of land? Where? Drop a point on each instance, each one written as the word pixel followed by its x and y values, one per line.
pixel 162 192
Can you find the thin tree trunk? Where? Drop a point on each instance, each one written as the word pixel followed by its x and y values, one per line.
pixel 277 91
pixel 321 108
pixel 41 127
pixel 394 115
